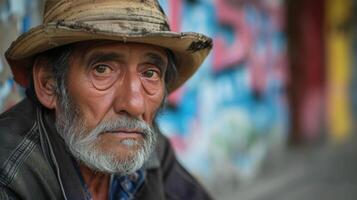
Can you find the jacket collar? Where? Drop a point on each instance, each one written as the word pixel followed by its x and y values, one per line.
pixel 61 160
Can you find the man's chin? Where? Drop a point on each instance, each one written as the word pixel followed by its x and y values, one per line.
pixel 122 159
pixel 121 143
pixel 124 153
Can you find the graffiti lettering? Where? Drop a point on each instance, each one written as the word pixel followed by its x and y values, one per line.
pixel 225 55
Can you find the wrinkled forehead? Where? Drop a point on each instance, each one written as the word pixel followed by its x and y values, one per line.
pixel 86 48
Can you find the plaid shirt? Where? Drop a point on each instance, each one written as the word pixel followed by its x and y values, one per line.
pixel 125 187
pixel 121 187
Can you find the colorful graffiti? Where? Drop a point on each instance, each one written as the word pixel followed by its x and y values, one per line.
pixel 234 108
pixel 16 17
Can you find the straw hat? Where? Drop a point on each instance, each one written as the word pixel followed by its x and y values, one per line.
pixel 142 21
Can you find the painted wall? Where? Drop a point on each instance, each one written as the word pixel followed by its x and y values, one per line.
pixel 234 110
pixel 307 69
pixel 339 57
pixel 16 17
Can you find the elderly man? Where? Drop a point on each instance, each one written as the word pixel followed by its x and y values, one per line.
pixel 96 73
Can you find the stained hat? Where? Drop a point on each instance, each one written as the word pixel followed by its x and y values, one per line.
pixel 140 21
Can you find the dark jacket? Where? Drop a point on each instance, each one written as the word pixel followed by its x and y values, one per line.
pixel 34 162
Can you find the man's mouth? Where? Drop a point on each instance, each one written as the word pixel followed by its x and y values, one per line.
pixel 127 136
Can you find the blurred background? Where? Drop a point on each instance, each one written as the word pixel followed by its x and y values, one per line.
pixel 270 114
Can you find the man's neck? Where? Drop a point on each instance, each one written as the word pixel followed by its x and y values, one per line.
pixel 97 182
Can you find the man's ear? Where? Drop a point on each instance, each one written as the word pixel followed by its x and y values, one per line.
pixel 44 83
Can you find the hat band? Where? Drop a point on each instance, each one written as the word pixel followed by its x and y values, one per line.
pixel 115 26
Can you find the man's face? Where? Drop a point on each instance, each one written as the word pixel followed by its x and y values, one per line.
pixel 113 93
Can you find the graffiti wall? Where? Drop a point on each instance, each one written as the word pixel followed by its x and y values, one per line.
pixel 234 110
pixel 16 17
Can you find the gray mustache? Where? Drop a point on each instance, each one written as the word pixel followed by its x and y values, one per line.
pixel 123 122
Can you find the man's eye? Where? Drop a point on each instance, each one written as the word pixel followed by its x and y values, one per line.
pixel 151 74
pixel 102 70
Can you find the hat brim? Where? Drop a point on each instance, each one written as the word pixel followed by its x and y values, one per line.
pixel 189 48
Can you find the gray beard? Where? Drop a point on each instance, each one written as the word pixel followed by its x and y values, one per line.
pixel 83 143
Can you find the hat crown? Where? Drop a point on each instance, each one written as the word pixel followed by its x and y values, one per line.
pixel 123 13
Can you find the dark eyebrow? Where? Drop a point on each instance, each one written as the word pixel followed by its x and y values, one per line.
pixel 103 57
pixel 156 60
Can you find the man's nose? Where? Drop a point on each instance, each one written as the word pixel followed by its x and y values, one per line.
pixel 130 97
